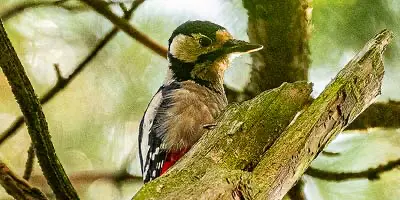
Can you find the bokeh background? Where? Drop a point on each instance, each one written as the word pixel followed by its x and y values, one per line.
pixel 94 121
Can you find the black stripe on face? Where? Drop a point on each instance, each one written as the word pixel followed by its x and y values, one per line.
pixel 211 56
pixel 181 70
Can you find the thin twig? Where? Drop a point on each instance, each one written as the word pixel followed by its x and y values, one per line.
pixel 87 177
pixel 26 5
pixel 371 173
pixel 330 154
pixel 58 72
pixel 35 119
pixel 382 114
pixel 101 7
pixel 16 186
pixel 29 163
pixel 15 10
pixel 62 83
pixel 123 7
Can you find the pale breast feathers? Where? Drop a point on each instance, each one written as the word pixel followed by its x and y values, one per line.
pixel 193 106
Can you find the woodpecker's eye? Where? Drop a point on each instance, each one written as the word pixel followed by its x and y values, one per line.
pixel 205 41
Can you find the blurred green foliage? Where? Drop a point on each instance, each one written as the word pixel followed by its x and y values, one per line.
pixel 94 121
pixel 346 25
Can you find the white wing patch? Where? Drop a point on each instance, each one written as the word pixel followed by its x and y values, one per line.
pixel 147 124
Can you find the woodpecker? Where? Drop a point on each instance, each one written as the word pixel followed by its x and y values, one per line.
pixel 191 97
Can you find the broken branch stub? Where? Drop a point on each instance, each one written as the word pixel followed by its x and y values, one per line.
pixel 353 90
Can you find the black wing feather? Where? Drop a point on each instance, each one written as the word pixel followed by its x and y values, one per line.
pixel 152 161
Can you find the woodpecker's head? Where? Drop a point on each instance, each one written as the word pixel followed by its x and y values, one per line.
pixel 200 51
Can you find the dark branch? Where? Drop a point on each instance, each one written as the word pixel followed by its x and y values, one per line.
pixel 123 7
pixel 233 95
pixel 370 174
pixel 87 177
pixel 36 121
pixel 102 8
pixel 378 115
pixel 64 82
pixel 297 191
pixel 19 8
pixel 17 187
pixel 7 14
pixel 330 154
pixel 29 163
pixel 60 78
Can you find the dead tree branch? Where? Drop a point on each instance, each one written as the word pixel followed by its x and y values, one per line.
pixel 29 163
pixel 370 174
pixel 64 82
pixel 385 114
pixel 351 92
pixel 15 10
pixel 36 121
pixel 26 5
pixel 229 162
pixel 101 7
pixel 88 177
pixel 17 187
pixel 285 57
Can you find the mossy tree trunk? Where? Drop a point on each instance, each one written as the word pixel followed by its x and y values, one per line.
pixel 283 28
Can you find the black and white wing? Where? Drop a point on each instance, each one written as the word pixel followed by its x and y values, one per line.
pixel 151 153
pixel 152 131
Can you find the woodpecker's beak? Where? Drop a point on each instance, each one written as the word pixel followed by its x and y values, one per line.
pixel 231 46
pixel 239 46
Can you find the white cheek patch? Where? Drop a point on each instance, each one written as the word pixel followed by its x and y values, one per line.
pixel 185 48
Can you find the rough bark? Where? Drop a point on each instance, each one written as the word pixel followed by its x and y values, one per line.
pixel 283 28
pixel 384 114
pixel 35 120
pixel 351 92
pixel 242 159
